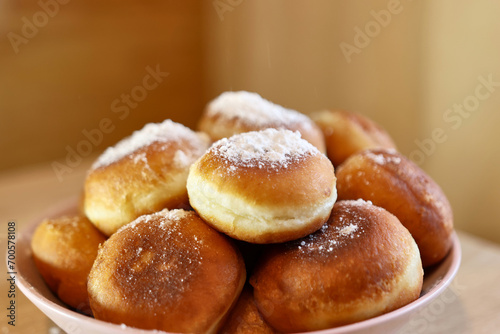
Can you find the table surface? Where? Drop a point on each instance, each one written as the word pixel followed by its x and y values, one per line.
pixel 470 305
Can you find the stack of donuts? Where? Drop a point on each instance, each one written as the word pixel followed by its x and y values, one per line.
pixel 264 220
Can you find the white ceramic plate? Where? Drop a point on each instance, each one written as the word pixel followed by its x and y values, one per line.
pixel 32 285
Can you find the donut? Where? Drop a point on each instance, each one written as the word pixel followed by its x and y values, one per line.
pixel 347 133
pixel 263 186
pixel 236 112
pixel 64 250
pixel 392 181
pixel 167 271
pixel 141 174
pixel 245 317
pixel 362 263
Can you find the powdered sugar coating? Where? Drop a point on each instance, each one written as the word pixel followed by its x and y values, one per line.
pixel 361 202
pixel 382 159
pixel 164 216
pixel 166 131
pixel 348 223
pixel 251 110
pixel 328 239
pixel 267 148
pixel 348 230
pixel 156 250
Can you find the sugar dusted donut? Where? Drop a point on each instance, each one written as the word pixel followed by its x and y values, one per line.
pixel 143 173
pixel 64 250
pixel 347 133
pixel 360 264
pixel 167 271
pixel 393 182
pixel 237 112
pixel 263 186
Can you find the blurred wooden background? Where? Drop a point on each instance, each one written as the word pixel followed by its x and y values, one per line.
pixel 66 77
pixel 414 62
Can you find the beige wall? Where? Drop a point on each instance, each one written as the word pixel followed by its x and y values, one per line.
pixel 289 52
pixel 462 44
pixel 65 77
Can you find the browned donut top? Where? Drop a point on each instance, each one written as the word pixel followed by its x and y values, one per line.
pixel 375 131
pixel 269 167
pixel 351 226
pixel 144 258
pixel 167 271
pixel 153 138
pixel 156 259
pixel 355 255
pixel 68 242
pixel 404 179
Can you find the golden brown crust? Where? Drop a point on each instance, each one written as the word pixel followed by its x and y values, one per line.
pixel 167 271
pixel 64 250
pixel 245 317
pixel 145 181
pixel 393 182
pixel 303 182
pixel 362 263
pixel 347 133
pixel 262 201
